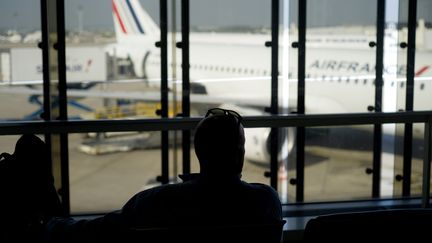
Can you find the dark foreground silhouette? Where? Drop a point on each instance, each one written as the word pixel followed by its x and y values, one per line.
pixel 214 204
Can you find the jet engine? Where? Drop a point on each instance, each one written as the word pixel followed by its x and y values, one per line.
pixel 257 144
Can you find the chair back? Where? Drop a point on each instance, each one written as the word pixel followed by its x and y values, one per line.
pixel 266 233
pixel 379 224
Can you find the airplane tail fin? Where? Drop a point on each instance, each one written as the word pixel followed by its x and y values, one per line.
pixel 131 20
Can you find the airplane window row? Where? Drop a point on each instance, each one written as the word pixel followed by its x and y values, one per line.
pixel 265 72
pixel 217 68
pixel 356 81
pixel 229 69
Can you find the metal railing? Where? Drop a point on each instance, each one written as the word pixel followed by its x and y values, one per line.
pixel 164 124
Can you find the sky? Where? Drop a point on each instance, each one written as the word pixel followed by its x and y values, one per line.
pixel 25 14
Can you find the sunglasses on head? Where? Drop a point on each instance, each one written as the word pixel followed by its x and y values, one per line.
pixel 224 112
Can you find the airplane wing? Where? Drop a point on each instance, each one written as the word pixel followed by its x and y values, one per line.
pixel 135 95
pixel 151 96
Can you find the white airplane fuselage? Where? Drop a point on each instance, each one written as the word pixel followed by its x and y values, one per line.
pixel 342 79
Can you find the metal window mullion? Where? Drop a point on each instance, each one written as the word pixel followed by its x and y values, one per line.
pixel 377 141
pixel 300 143
pixel 409 104
pixel 62 99
pixel 274 93
pixel 44 45
pixel 185 84
pixel 427 163
pixel 163 7
pixel 61 50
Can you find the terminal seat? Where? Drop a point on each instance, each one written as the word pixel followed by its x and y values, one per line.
pixel 380 224
pixel 266 233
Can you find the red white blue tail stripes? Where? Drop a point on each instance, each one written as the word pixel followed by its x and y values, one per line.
pixel 126 16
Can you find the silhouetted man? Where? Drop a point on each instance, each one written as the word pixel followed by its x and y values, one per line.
pixel 215 196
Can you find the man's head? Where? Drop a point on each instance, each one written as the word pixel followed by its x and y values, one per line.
pixel 219 143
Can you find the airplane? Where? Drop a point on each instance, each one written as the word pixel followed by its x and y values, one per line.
pixel 232 70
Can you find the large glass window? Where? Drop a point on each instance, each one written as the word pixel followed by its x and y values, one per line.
pixel 423 68
pixel 20 60
pixel 340 78
pixel 421 88
pixel 105 172
pixel 113 72
pixel 230 66
pixel 113 64
pixel 20 65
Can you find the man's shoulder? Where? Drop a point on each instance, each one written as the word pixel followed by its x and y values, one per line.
pixel 262 190
pixel 260 186
pixel 165 189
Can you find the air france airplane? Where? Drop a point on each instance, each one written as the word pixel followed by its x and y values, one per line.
pixel 233 70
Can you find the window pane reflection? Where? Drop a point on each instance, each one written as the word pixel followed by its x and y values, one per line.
pixel 340 78
pixel 112 62
pixel 228 60
pixel 336 162
pixel 422 86
pixel 107 169
pixel 20 60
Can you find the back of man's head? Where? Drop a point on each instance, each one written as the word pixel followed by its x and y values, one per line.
pixel 219 145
